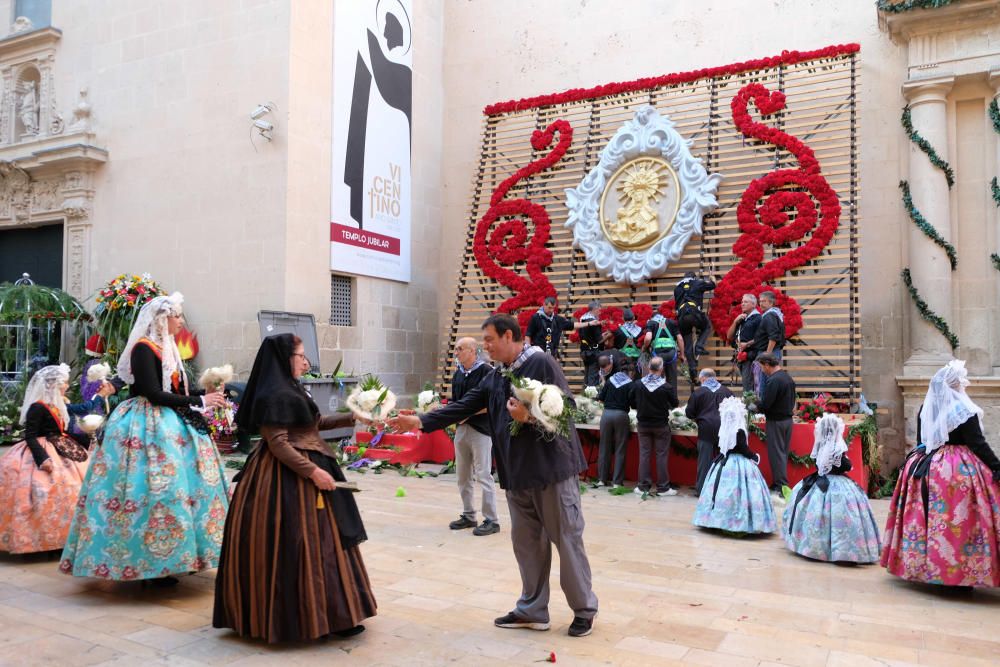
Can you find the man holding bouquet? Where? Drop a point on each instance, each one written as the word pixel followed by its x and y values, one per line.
pixel 539 460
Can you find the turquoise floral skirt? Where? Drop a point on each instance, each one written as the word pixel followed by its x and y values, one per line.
pixel 735 498
pixel 154 500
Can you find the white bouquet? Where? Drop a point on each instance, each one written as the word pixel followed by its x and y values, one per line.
pixel 98 372
pixel 590 392
pixel 90 423
pixel 214 378
pixel 679 420
pixel 633 420
pixel 371 399
pixel 428 400
pixel 588 410
pixel 547 404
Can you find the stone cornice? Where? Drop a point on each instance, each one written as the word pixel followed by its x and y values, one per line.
pixel 57 151
pixel 978 386
pixel 29 42
pixel 903 26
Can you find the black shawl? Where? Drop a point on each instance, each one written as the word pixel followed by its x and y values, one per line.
pixel 273 396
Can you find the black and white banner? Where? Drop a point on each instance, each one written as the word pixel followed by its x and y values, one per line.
pixel 372 99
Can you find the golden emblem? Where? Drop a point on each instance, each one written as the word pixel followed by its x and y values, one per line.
pixel 640 203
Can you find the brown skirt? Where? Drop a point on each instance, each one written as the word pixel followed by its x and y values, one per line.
pixel 288 571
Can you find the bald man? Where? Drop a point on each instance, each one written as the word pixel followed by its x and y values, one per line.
pixel 473 444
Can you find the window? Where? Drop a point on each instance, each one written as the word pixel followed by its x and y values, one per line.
pixel 341 300
pixel 39 12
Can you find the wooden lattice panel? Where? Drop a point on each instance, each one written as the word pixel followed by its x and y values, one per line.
pixel 821 110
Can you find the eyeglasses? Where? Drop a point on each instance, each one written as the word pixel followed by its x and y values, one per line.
pixel 299 354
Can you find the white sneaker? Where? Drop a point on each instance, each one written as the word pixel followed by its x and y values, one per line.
pixel 617 486
pixel 668 492
pixel 637 491
pixel 596 485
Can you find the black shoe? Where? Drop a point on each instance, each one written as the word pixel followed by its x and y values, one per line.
pixel 512 620
pixel 581 627
pixel 462 522
pixel 349 632
pixel 486 528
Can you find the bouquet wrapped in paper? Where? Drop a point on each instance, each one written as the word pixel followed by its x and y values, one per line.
pixel 371 400
pixel 588 410
pixel 590 392
pixel 679 420
pixel 550 410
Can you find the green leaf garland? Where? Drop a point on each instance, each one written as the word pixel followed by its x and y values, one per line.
pixel 926 312
pixel 890 7
pixel 926 147
pixel 995 258
pixel 995 115
pixel 926 227
pixel 995 191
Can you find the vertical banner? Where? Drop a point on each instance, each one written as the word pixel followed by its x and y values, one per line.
pixel 372 99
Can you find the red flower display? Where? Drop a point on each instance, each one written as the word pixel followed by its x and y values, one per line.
pixel 524 318
pixel 508 244
pixel 768 223
pixel 612 317
pixel 619 88
pixel 642 312
pixel 668 309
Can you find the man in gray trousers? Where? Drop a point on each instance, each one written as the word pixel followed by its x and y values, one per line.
pixel 540 474
pixel 778 405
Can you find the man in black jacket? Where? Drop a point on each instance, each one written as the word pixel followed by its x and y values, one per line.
pixel 540 473
pixel 703 408
pixel 769 338
pixel 546 327
pixel 689 295
pixel 653 398
pixel 615 429
pixel 590 343
pixel 778 405
pixel 742 332
pixel 473 445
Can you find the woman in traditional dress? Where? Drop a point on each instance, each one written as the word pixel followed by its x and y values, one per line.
pixel 830 518
pixel 40 477
pixel 944 518
pixel 735 497
pixel 154 501
pixel 291 568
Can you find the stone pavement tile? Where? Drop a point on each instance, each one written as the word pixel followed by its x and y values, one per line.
pixel 61 650
pixel 652 647
pixel 845 659
pixel 424 603
pixel 181 621
pixel 939 659
pixel 115 624
pixel 16 632
pixel 218 652
pixel 163 639
pixel 30 601
pixel 686 634
pixel 766 648
pixel 697 656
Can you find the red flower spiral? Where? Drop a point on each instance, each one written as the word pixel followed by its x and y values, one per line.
pixel 510 243
pixel 763 218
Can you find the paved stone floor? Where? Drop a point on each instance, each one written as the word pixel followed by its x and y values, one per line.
pixel 669 595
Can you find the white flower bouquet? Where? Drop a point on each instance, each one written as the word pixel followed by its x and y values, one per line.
pixel 370 399
pixel 428 399
pixel 590 392
pixel 98 372
pixel 89 424
pixel 588 410
pixel 550 410
pixel 214 378
pixel 679 420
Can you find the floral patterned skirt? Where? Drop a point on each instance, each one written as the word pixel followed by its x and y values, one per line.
pixel 36 506
pixel 835 525
pixel 735 498
pixel 154 502
pixel 951 538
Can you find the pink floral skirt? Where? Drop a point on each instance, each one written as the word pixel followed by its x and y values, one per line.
pixel 35 506
pixel 943 528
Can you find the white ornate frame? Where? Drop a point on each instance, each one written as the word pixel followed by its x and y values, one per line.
pixel 648 133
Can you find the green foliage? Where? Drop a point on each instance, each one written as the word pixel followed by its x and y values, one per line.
pixel 927 313
pixel 925 146
pixel 891 7
pixel 995 191
pixel 994 111
pixel 995 258
pixel 924 226
pixel 619 490
pixel 867 430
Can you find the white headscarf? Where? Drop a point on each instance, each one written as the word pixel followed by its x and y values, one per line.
pixel 946 406
pixel 828 444
pixel 734 419
pixel 152 324
pixel 44 387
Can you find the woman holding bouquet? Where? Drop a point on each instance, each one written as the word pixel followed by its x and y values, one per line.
pixel 40 477
pixel 291 569
pixel 155 498
pixel 944 518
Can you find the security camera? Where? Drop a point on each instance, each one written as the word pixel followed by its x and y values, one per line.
pixel 260 111
pixel 263 126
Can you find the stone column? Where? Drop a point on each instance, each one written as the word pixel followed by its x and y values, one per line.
pixel 928 263
pixel 994 79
